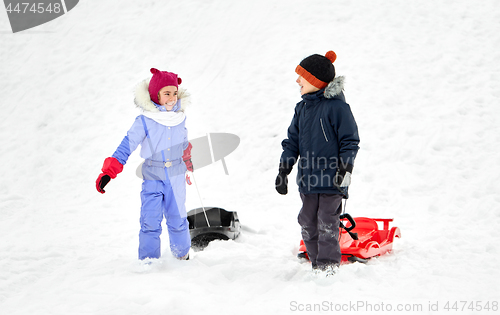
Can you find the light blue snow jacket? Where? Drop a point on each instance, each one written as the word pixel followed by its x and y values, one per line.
pixel 162 136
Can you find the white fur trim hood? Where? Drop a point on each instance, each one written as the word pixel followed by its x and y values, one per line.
pixel 335 87
pixel 143 100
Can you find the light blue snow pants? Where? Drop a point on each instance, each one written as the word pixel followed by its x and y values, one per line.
pixel 159 200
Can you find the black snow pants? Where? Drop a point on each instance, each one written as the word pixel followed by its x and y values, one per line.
pixel 319 219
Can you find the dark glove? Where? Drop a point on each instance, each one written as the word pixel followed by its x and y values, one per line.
pixel 186 157
pixel 281 182
pixel 110 169
pixel 343 176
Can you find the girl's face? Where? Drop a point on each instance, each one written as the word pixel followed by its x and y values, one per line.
pixel 168 97
pixel 305 87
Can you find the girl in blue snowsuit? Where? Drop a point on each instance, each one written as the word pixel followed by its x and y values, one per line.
pixel 162 134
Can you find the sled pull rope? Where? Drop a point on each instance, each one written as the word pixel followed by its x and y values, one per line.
pixel 340 220
pixel 351 220
pixel 199 196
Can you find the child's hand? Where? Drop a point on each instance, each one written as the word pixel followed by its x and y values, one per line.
pixel 281 182
pixel 110 169
pixel 101 182
pixel 189 165
pixel 346 181
pixel 186 157
pixel 343 178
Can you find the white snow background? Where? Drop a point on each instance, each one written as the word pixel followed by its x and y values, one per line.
pixel 423 82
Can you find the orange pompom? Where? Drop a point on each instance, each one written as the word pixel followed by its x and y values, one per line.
pixel 331 55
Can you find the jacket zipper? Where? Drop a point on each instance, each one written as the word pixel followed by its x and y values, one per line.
pixel 322 128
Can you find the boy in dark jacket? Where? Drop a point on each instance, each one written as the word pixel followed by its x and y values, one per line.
pixel 324 134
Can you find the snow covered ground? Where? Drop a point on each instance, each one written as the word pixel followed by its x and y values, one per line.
pixel 422 79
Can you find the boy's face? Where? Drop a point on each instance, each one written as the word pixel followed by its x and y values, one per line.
pixel 168 96
pixel 305 87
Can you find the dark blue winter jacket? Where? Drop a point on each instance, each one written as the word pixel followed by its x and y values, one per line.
pixel 324 134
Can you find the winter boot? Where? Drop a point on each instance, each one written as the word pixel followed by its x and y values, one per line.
pixel 326 271
pixel 185 257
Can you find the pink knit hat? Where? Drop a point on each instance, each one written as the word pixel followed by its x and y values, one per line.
pixel 160 80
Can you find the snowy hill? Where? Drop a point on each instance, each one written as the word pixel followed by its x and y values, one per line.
pixel 422 79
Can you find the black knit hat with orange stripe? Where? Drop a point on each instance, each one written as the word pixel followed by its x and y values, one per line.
pixel 318 70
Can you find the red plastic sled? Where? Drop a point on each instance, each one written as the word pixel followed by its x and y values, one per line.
pixel 371 241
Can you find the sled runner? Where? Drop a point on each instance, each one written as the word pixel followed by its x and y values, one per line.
pixel 208 224
pixel 361 238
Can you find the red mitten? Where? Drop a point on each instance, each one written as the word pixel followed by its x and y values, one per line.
pixel 186 157
pixel 110 169
pixel 101 182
